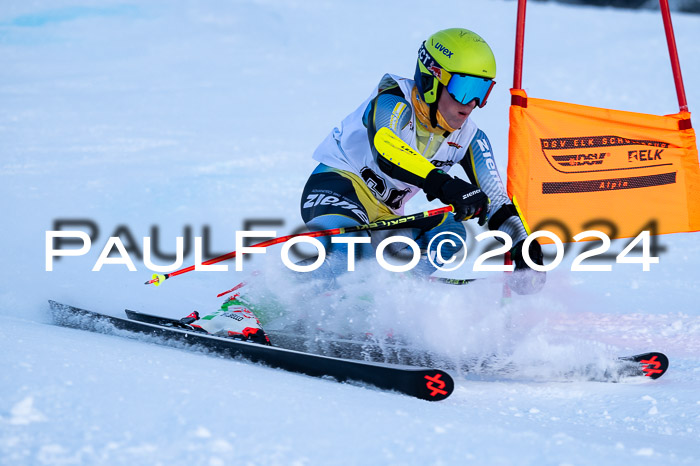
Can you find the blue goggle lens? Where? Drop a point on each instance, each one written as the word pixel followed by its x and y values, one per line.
pixel 465 88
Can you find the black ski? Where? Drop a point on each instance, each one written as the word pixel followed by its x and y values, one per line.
pixel 652 365
pixel 330 345
pixel 152 319
pixel 420 382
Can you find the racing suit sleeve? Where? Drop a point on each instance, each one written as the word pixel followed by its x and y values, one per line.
pixel 391 110
pixel 384 118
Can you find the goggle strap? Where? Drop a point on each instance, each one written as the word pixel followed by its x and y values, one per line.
pixel 432 65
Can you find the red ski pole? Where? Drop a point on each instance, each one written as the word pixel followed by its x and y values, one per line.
pixel 398 222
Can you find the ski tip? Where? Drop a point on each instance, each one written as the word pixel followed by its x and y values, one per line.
pixel 435 385
pixel 652 365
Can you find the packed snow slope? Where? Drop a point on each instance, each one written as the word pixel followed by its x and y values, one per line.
pixel 189 119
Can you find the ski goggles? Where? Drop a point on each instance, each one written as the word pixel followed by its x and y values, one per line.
pixel 464 88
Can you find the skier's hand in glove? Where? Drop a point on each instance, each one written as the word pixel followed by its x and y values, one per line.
pixel 524 280
pixel 466 199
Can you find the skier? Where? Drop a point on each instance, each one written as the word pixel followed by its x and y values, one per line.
pixel 355 183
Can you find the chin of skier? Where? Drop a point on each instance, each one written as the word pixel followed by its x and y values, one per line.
pixel 355 184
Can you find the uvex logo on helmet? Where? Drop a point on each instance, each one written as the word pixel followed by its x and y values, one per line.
pixel 445 51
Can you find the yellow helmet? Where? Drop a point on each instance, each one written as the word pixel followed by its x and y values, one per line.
pixel 458 60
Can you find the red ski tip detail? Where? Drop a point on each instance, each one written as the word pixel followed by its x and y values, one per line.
pixel 651 366
pixel 435 390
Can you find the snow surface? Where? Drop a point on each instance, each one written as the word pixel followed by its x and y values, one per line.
pixel 180 114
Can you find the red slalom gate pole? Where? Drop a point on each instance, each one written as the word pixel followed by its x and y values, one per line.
pixel 517 84
pixel 398 222
pixel 673 55
pixel 519 45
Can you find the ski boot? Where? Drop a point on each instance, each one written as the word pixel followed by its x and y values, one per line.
pixel 232 320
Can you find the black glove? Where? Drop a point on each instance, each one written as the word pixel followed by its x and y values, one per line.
pixel 524 280
pixel 466 199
